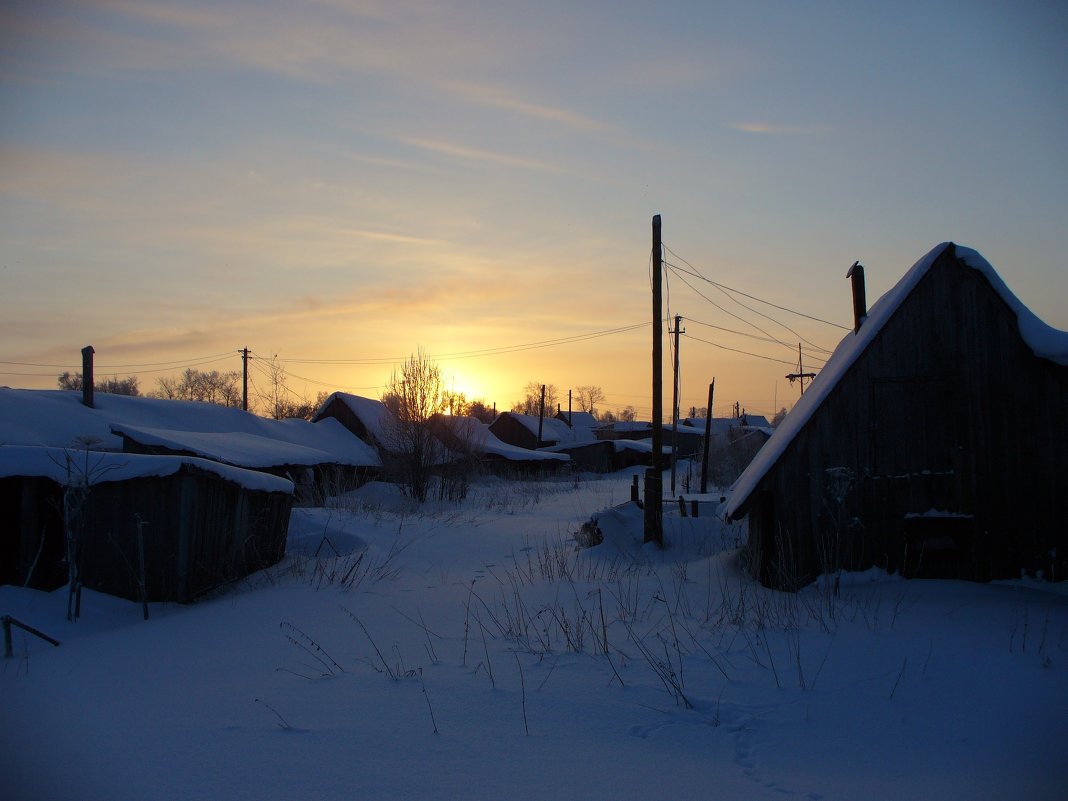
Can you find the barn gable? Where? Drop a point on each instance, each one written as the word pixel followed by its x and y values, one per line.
pixel 909 451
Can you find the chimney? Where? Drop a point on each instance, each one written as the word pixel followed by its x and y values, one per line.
pixel 860 304
pixel 87 375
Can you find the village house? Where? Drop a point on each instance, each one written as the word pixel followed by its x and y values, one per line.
pixel 933 443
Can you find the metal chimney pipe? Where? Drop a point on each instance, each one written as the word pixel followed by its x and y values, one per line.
pixel 860 303
pixel 87 375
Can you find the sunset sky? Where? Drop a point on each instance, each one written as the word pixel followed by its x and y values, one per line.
pixel 343 183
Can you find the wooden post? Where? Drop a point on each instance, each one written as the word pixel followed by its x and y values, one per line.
pixel 87 376
pixel 682 506
pixel 244 379
pixel 654 476
pixel 8 622
pixel 675 408
pixel 141 560
pixel 541 414
pixel 708 438
pixel 634 489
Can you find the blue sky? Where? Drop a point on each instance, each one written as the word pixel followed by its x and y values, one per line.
pixel 343 183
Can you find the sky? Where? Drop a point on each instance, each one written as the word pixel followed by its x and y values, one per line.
pixel 342 184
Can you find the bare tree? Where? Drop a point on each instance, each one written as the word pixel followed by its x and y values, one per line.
pixel 109 385
pixel 277 400
pixel 479 410
pixel 414 395
pixel 223 389
pixel 530 403
pixel 588 397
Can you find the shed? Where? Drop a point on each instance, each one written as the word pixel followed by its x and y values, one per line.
pixel 472 439
pixel 910 450
pixel 522 430
pixel 201 524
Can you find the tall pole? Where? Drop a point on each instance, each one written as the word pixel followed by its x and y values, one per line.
pixel 675 407
pixel 708 438
pixel 654 476
pixel 541 414
pixel 244 379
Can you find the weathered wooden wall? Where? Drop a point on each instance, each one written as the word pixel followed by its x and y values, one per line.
pixel 942 451
pixel 199 532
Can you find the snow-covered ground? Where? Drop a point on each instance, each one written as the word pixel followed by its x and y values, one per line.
pixel 470 651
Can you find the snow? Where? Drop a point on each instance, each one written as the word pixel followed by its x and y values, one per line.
pixel 374 415
pixel 478 436
pixel 1046 343
pixel 57 418
pixel 458 651
pixel 102 467
pixel 236 448
pixel 552 429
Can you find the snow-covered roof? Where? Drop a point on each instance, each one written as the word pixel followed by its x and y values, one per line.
pixel 721 425
pixel 553 429
pixel 1045 341
pixel 376 418
pixel 100 467
pixel 579 419
pixel 478 436
pixel 57 418
pixel 252 450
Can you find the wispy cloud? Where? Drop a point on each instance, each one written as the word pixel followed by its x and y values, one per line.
pixel 498 97
pixel 772 129
pixel 479 154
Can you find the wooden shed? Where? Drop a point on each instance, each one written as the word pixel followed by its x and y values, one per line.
pixel 199 524
pixel 933 443
pixel 522 430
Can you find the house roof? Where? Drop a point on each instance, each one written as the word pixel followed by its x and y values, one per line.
pixel 57 418
pixel 478 435
pixel 255 451
pixel 100 467
pixel 376 418
pixel 553 429
pixel 1046 342
pixel 579 419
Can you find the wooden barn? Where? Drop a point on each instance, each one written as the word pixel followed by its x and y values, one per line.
pixel 933 443
pixel 522 430
pixel 196 523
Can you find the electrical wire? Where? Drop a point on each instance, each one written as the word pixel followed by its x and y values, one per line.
pixel 697 274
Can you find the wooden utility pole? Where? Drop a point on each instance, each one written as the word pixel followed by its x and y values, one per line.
pixel 708 438
pixel 541 414
pixel 88 379
pixel 654 476
pixel 800 374
pixel 244 379
pixel 675 406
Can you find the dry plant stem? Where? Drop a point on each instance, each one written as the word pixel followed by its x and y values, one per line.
pixel 367 634
pixel 485 649
pixel 523 690
pixel 426 695
pixel 282 722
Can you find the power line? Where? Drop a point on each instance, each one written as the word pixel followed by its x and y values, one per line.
pixel 673 269
pixel 697 274
pixel 738 350
pixel 472 354
pixel 173 364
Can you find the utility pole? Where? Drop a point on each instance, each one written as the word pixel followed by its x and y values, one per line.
pixel 708 438
pixel 244 379
pixel 654 476
pixel 675 405
pixel 541 414
pixel 800 374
